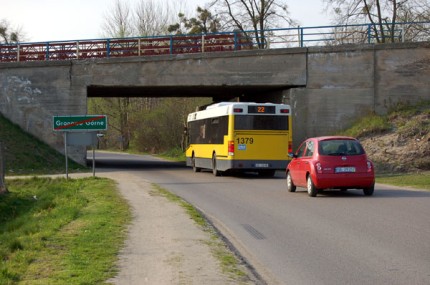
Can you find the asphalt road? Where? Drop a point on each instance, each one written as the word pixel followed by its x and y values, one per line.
pixel 290 238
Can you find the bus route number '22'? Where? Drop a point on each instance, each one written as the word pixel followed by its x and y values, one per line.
pixel 245 140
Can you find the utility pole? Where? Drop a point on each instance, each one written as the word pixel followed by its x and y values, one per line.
pixel 3 188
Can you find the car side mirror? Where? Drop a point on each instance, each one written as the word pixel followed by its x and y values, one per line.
pixel 292 155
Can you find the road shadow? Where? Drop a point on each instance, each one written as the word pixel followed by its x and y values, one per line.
pixel 378 194
pixel 135 164
pixel 246 175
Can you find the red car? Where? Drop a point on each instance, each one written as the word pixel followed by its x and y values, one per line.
pixel 334 162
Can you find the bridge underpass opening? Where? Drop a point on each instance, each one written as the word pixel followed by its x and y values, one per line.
pixel 141 132
pixel 217 93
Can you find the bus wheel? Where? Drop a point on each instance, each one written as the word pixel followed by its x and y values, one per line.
pixel 195 169
pixel 215 171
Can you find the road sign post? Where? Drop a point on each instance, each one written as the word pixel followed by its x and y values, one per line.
pixel 82 131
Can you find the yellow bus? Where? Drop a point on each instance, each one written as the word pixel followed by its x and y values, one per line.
pixel 240 136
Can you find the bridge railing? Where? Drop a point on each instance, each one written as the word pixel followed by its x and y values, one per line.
pixel 215 42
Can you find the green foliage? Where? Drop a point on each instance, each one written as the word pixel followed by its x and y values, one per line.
pixel 119 112
pixel 151 124
pixel 176 154
pixel 415 127
pixel 204 23
pixel 58 231
pixel 408 120
pixel 25 154
pixel 421 162
pixel 159 130
pixel 192 212
pixel 368 125
pixel 403 146
pixel 411 120
pixel 415 180
pixel 170 118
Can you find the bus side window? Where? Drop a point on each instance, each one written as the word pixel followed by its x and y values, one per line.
pixel 202 134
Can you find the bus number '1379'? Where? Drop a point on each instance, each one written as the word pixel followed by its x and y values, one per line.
pixel 245 140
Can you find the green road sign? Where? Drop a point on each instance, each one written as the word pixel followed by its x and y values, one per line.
pixel 80 123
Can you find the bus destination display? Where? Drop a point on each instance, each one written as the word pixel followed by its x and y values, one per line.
pixel 261 109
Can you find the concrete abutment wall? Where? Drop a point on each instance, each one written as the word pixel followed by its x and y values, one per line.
pixel 345 83
pixel 328 87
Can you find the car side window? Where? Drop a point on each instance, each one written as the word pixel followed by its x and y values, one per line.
pixel 301 150
pixel 310 148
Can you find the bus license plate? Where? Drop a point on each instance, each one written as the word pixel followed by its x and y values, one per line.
pixel 262 165
pixel 344 169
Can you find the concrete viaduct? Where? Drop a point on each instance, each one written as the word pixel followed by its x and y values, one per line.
pixel 327 87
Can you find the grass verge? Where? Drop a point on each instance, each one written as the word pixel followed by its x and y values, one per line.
pixel 174 154
pixel 27 155
pixel 414 180
pixel 404 119
pixel 230 264
pixel 58 231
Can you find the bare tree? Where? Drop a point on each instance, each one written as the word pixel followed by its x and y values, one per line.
pixel 383 15
pixel 252 15
pixel 153 17
pixel 9 34
pixel 118 22
pixel 119 112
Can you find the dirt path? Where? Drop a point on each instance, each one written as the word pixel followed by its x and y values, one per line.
pixel 164 245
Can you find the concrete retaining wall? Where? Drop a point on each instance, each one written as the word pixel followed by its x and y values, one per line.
pixel 344 83
pixel 30 94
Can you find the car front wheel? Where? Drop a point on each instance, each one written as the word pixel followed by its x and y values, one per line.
pixel 290 185
pixel 312 190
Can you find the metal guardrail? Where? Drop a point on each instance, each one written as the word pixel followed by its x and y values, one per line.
pixel 123 47
pixel 214 42
pixel 362 34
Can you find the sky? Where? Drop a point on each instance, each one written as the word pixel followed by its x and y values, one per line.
pixel 57 20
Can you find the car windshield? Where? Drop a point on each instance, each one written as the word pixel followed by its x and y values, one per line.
pixel 340 147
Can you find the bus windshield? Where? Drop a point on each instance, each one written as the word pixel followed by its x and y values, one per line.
pixel 261 122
